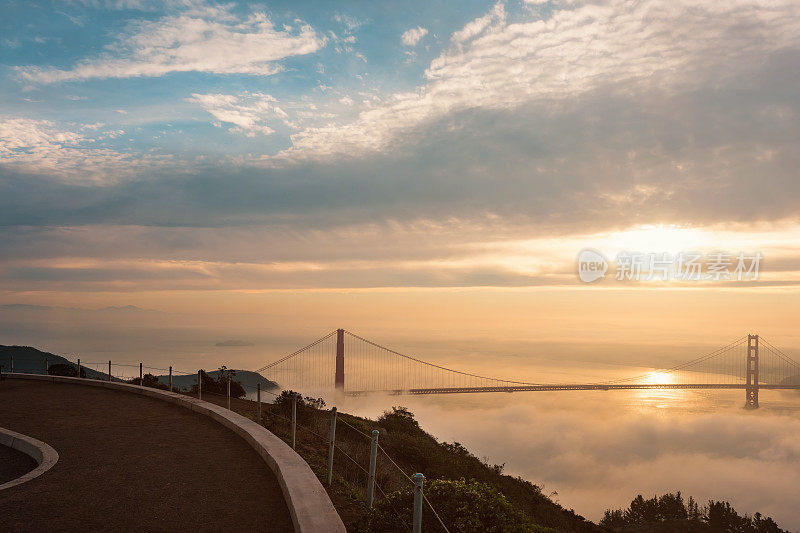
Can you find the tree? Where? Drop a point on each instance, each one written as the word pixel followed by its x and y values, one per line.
pixel 642 511
pixel 220 386
pixel 693 511
pixel 718 516
pixel 671 507
pixel 613 518
pixel 722 517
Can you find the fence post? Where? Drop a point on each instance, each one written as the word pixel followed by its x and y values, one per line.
pixel 12 364
pixel 373 457
pixel 229 393
pixel 47 367
pixel 170 378
pixel 109 371
pixel 294 420
pixel 331 445
pixel 258 400
pixel 419 480
pixel 140 374
pixel 200 384
pixel 79 367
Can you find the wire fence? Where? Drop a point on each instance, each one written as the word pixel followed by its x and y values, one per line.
pixel 310 431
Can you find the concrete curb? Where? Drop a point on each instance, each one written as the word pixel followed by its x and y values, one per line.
pixel 309 504
pixel 42 453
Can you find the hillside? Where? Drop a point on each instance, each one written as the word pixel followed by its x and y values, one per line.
pixel 451 467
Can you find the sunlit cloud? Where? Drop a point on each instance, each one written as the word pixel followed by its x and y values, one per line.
pixel 413 36
pixel 495 64
pixel 74 155
pixel 201 39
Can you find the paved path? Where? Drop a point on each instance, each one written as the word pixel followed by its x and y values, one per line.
pixel 128 462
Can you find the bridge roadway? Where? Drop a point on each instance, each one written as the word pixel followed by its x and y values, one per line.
pixel 534 388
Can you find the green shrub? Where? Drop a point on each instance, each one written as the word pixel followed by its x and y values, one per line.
pixel 465 506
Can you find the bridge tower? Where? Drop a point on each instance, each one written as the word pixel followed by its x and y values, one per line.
pixel 339 379
pixel 751 389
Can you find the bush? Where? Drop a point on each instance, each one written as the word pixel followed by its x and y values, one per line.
pixel 65 369
pixel 467 506
pixel 149 380
pixel 305 406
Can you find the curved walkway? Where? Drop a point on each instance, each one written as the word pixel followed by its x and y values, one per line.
pixel 130 462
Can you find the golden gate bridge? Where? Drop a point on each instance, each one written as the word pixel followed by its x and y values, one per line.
pixel 344 361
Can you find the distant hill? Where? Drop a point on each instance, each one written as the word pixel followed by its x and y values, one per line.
pixel 32 361
pixel 247 378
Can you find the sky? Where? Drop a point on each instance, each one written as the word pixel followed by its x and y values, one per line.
pixel 178 175
pixel 288 160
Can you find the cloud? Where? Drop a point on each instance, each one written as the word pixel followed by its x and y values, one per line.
pixel 67 155
pixel 248 112
pixel 201 39
pixel 413 36
pixel 475 27
pixel 626 47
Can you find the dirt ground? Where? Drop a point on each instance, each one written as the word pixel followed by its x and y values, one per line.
pixel 128 462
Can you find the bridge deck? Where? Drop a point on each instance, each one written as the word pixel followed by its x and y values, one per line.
pixel 541 388
pixel 132 462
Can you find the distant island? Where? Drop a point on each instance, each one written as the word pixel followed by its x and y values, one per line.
pixel 234 343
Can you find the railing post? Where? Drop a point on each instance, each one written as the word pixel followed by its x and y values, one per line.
pixel 419 481
pixel 109 371
pixel 258 400
pixel 294 420
pixel 373 457
pixel 229 393
pixel 200 384
pixel 79 367
pixel 140 375
pixel 170 378
pixel 331 445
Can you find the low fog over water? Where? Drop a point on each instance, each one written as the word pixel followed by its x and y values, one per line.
pixel 599 449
